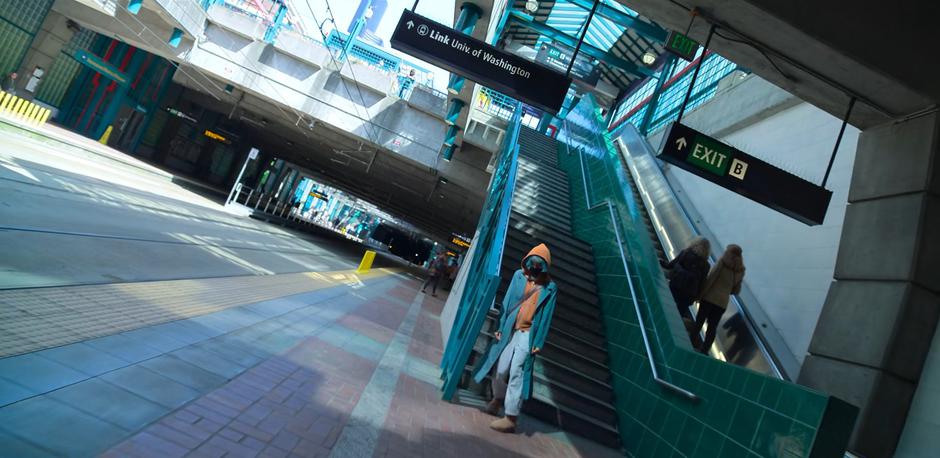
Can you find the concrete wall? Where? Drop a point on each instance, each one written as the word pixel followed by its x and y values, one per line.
pixel 300 75
pixel 45 48
pixel 921 435
pixel 789 265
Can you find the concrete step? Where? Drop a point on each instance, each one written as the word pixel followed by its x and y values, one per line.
pixel 536 230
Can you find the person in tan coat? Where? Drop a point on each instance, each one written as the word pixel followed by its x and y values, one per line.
pixel 723 280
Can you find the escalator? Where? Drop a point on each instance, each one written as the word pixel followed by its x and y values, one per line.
pixel 744 337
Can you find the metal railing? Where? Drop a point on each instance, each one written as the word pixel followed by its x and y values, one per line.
pixel 615 222
pixel 483 263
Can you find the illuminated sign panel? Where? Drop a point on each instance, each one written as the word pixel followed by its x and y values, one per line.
pixel 746 175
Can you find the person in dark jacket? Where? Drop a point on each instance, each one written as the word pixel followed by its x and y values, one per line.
pixel 526 318
pixel 723 280
pixel 686 274
pixel 436 270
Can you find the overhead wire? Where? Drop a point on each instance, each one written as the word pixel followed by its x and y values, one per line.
pixel 351 70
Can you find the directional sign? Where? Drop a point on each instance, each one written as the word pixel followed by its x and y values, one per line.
pixel 746 175
pixel 464 55
pixel 681 46
pixel 558 56
pixel 101 66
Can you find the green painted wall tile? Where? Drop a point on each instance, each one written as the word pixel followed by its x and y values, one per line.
pixel 773 431
pixel 709 444
pixel 744 424
pixel 740 413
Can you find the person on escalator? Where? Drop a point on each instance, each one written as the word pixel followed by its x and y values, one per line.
pixel 724 279
pixel 686 274
pixel 524 323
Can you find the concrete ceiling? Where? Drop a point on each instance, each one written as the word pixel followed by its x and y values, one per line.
pixel 824 51
pixel 399 186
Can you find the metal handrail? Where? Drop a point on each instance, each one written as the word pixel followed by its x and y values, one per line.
pixel 626 268
pixel 476 302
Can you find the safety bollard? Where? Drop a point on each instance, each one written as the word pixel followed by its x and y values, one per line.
pixel 366 263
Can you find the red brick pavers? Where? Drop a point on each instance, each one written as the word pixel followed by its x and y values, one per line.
pixel 297 404
pixel 291 405
pixel 420 424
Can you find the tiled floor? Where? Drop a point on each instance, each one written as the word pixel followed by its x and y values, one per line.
pixel 344 371
pixel 37 318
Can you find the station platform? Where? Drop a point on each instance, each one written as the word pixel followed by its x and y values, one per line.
pixel 304 364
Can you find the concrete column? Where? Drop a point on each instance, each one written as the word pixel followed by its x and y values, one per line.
pixel 881 313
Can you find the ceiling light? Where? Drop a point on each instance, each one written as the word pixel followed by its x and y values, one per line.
pixel 531 6
pixel 649 58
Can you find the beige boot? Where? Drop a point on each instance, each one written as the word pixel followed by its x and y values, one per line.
pixel 493 406
pixel 504 425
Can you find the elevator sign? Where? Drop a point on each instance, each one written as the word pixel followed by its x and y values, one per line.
pixel 746 175
pixel 459 53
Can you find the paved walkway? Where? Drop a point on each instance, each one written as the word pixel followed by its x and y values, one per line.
pixel 348 369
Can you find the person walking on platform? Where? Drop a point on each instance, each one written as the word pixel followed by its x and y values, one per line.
pixel 526 317
pixel 724 279
pixel 686 274
pixel 435 271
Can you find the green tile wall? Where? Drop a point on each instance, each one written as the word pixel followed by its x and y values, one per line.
pixel 740 413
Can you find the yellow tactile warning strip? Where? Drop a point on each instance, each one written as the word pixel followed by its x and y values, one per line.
pixel 39 318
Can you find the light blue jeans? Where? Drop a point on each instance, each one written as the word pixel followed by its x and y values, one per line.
pixel 509 367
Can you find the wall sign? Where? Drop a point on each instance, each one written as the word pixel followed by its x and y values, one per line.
pixel 462 54
pixel 101 66
pixel 746 175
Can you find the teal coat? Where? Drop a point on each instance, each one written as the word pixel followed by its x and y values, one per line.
pixel 541 322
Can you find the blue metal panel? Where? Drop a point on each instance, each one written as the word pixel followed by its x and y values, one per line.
pixel 586 48
pixel 623 16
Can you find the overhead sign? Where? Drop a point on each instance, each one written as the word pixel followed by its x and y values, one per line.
pixel 464 55
pixel 215 136
pixel 681 46
pixel 101 66
pixel 558 56
pixel 746 175
pixel 460 240
pixel 180 114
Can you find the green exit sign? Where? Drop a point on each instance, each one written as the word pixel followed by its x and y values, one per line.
pixel 681 46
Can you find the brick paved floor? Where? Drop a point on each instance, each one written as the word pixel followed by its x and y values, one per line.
pixel 34 319
pixel 299 403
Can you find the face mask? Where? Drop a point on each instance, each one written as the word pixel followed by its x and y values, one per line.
pixel 535 266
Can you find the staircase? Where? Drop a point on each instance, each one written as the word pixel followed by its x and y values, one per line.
pixel 571 380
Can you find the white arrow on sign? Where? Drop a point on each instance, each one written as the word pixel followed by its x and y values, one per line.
pixel 410 24
pixel 680 143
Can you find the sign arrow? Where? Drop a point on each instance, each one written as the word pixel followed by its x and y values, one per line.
pixel 680 143
pixel 410 24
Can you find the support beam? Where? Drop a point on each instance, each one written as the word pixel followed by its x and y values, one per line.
pixel 650 31
pixel 588 49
